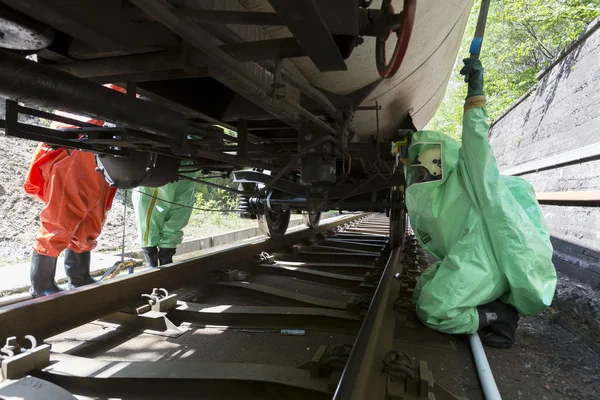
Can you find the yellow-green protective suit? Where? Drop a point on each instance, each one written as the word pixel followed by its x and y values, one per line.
pixel 486 229
pixel 161 223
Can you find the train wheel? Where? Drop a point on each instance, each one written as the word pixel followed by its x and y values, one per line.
pixel 397 227
pixel 311 219
pixel 397 215
pixel 274 224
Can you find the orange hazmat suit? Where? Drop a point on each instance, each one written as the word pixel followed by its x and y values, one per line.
pixel 76 197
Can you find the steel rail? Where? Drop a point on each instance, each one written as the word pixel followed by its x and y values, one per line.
pixel 231 73
pixel 363 377
pixel 14 299
pixel 50 315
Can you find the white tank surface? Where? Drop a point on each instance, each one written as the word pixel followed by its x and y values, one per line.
pixel 419 84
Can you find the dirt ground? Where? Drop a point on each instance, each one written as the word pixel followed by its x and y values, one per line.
pixel 557 353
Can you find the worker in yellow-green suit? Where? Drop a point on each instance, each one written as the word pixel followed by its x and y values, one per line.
pixel 162 213
pixel 487 231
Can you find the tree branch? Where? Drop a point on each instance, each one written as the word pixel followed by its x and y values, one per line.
pixel 544 50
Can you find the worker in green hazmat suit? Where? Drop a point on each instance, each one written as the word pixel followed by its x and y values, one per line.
pixel 162 213
pixel 486 229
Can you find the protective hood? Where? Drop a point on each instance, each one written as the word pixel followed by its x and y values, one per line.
pixel 423 140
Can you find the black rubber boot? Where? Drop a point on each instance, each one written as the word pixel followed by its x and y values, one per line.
pixel 165 256
pixel 498 324
pixel 151 256
pixel 43 269
pixel 77 268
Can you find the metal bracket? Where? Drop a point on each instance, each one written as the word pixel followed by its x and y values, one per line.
pixel 234 275
pixel 404 308
pixel 359 305
pixel 180 146
pixel 57 137
pixel 329 361
pixel 406 380
pixel 373 277
pixel 402 377
pixel 160 300
pixel 17 361
pixel 150 318
pixel 408 280
pixel 266 258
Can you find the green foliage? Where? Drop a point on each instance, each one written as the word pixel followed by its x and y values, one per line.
pixel 521 38
pixel 204 223
pixel 209 197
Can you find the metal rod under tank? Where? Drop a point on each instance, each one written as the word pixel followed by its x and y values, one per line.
pixel 40 85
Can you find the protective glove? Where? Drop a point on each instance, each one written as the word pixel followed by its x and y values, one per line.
pixel 473 71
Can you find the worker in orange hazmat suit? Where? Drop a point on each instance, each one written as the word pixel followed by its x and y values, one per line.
pixel 77 199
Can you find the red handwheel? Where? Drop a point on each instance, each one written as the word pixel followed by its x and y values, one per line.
pixel 402 25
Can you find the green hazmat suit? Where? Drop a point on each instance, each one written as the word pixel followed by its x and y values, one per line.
pixel 486 229
pixel 161 223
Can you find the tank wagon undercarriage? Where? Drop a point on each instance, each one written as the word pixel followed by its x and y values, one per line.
pixel 232 88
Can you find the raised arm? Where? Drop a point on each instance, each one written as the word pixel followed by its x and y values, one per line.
pixel 476 156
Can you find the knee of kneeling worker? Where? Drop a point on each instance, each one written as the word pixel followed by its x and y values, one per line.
pixel 441 317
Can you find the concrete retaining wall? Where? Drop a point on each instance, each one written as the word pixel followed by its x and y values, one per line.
pixel 561 113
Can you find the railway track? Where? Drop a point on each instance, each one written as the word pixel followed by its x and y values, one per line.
pixel 321 314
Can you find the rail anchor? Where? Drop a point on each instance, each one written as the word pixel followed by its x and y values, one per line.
pixel 17 360
pixel 160 300
pixel 329 362
pixel 151 318
pixel 406 380
pixel 359 305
